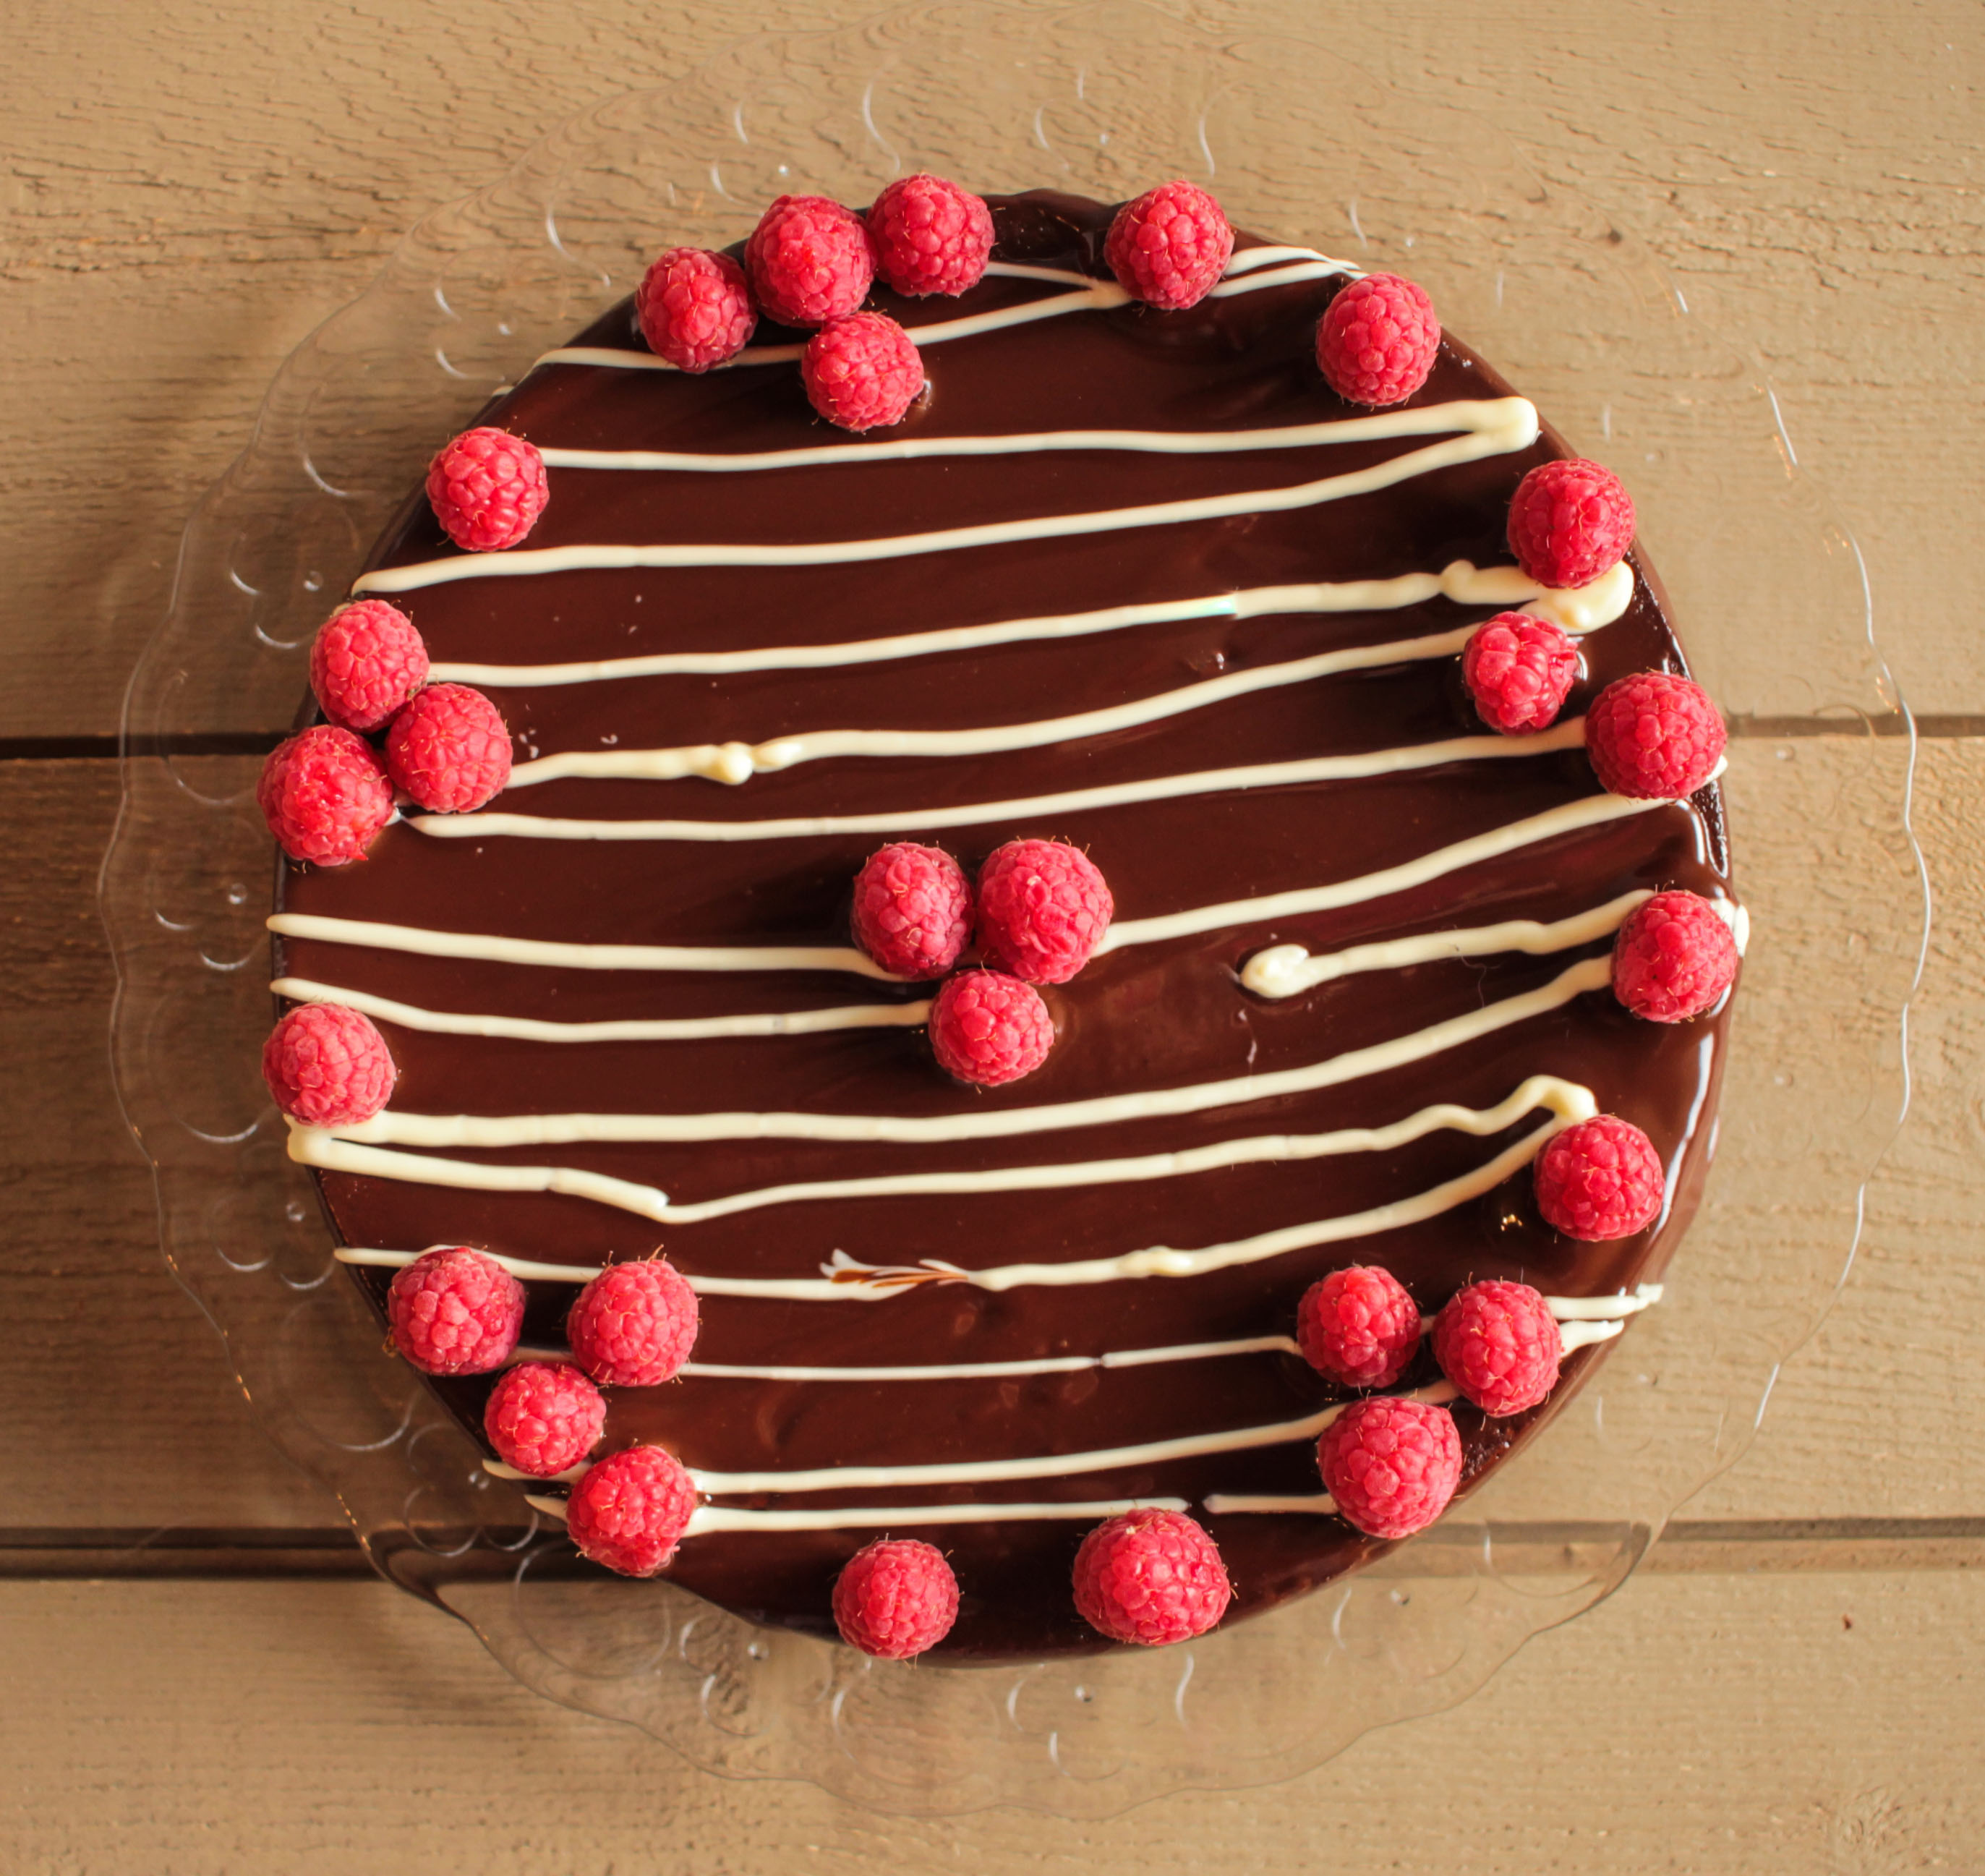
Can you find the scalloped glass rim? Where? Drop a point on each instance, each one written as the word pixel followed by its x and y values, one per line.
pixel 1577 313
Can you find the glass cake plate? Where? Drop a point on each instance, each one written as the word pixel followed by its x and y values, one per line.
pixel 1302 147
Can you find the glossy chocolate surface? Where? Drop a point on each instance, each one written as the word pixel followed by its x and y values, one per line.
pixel 1152 1015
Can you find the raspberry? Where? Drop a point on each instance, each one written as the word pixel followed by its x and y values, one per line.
pixel 634 1324
pixel 367 660
pixel 862 372
pixel 325 796
pixel 328 1066
pixel 1152 1577
pixel 1377 339
pixel 449 749
pixel 1043 908
pixel 544 1416
pixel 1390 1465
pixel 631 1511
pixel 487 489
pixel 930 235
pixel 695 308
pixel 1358 1327
pixel 896 1599
pixel 1570 522
pixel 1518 669
pixel 912 910
pixel 1600 1180
pixel 1169 247
pixel 1653 737
pixel 454 1311
pixel 989 1029
pixel 811 261
pixel 1674 957
pixel 1499 1344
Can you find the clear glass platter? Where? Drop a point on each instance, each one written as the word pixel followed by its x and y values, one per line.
pixel 1301 146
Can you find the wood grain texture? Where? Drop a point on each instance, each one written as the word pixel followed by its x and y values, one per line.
pixel 193 184
pixel 1718 1726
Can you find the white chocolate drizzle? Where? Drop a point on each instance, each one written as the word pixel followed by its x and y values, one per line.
pixel 1288 969
pixel 1568 817
pixel 1092 295
pixel 1420 420
pixel 639 1029
pixel 1566 1099
pixel 708 1518
pixel 554 954
pixel 394 1127
pixel 1489 427
pixel 1404 759
pixel 1576 609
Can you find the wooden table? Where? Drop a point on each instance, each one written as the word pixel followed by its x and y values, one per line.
pixel 1796 1681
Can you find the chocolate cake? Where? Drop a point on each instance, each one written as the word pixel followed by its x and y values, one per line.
pixel 1216 649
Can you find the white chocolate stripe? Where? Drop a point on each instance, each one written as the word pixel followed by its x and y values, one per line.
pixel 735 762
pixel 708 1518
pixel 1571 817
pixel 1218 1503
pixel 394 1127
pixel 529 1029
pixel 1498 427
pixel 1577 610
pixel 942 1371
pixel 1287 969
pixel 554 954
pixel 1093 295
pixel 846 1280
pixel 1419 420
pixel 1590 811
pixel 1047 1465
pixel 1569 734
pixel 1566 1099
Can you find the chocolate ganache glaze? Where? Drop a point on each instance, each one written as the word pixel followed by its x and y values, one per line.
pixel 959 1275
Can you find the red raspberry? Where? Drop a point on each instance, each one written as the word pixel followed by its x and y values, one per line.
pixel 1674 957
pixel 811 261
pixel 1600 1180
pixel 1390 1465
pixel 487 489
pixel 1570 522
pixel 912 910
pixel 544 1416
pixel 930 235
pixel 695 307
pixel 634 1324
pixel 896 1599
pixel 325 796
pixel 367 660
pixel 1518 669
pixel 1153 1577
pixel 1169 247
pixel 989 1029
pixel 862 372
pixel 1498 1343
pixel 1377 339
pixel 449 749
pixel 1358 1326
pixel 631 1511
pixel 328 1066
pixel 454 1311
pixel 1043 908
pixel 1653 737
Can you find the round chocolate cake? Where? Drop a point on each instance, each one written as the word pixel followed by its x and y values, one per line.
pixel 1137 580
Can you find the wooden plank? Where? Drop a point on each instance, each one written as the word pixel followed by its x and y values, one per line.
pixel 1720 1726
pixel 197 182
pixel 1876 1420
